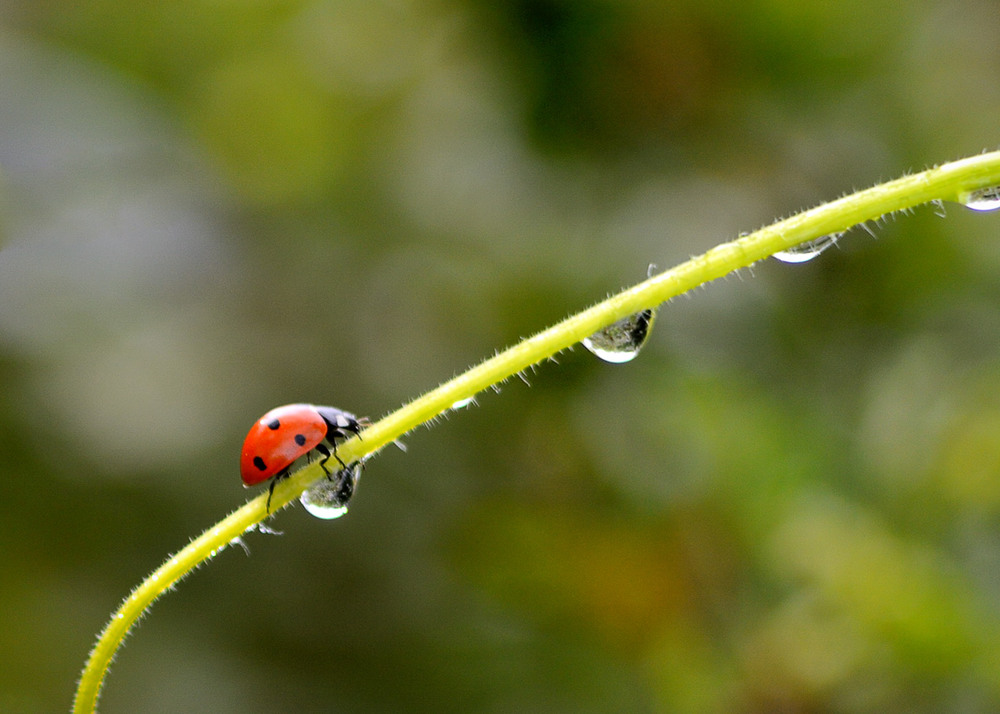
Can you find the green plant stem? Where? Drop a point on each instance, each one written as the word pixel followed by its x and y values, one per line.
pixel 950 182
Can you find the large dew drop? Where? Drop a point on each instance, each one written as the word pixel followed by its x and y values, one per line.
pixel 328 499
pixel 804 252
pixel 984 199
pixel 622 341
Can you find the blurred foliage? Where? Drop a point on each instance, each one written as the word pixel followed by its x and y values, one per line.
pixel 789 502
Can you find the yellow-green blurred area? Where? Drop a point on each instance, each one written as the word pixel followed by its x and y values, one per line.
pixel 790 502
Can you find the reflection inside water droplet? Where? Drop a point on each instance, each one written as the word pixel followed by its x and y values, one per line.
pixel 804 252
pixel 329 497
pixel 984 199
pixel 622 341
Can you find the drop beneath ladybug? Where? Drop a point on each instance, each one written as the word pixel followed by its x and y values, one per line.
pixel 290 432
pixel 328 498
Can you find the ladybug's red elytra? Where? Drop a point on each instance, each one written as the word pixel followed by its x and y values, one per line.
pixel 288 433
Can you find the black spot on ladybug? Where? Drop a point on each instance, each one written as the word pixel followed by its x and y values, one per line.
pixel 300 439
pixel 273 424
pixel 259 463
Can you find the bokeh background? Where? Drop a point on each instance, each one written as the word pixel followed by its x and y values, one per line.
pixel 790 502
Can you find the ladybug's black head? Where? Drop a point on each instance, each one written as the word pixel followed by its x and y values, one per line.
pixel 340 424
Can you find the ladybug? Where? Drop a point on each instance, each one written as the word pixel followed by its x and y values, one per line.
pixel 290 432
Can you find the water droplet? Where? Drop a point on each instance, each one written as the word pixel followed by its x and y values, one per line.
pixel 804 252
pixel 265 530
pixel 328 499
pixel 463 403
pixel 621 341
pixel 241 543
pixel 983 199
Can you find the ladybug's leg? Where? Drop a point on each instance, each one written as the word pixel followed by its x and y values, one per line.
pixel 339 460
pixel 270 492
pixel 270 489
pixel 323 449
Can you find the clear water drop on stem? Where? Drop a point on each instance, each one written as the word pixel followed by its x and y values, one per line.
pixel 463 403
pixel 621 341
pixel 983 199
pixel 328 497
pixel 804 252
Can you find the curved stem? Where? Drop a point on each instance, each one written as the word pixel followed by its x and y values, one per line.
pixel 950 182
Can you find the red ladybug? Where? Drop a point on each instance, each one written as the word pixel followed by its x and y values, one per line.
pixel 290 432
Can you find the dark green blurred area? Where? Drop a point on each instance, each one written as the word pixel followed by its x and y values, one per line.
pixel 789 503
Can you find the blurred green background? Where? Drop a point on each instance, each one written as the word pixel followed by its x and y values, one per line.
pixel 789 503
